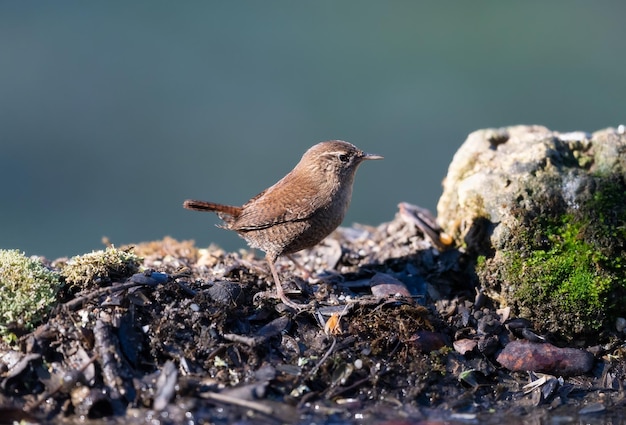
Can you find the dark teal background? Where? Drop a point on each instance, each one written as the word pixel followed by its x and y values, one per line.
pixel 112 113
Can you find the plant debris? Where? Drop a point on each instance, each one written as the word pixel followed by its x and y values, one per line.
pixel 396 331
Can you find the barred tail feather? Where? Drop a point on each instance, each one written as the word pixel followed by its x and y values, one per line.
pixel 192 204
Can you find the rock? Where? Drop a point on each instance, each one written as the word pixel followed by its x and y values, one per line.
pixel 519 356
pixel 225 292
pixel 543 212
pixel 427 341
pixel 488 344
pixel 384 286
pixel 464 345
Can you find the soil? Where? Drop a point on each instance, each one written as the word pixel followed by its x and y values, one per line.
pixel 397 333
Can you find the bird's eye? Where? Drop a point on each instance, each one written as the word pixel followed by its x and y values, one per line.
pixel 344 157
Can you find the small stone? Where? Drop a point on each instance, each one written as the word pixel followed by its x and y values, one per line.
pixel 225 292
pixel 488 344
pixel 384 286
pixel 489 324
pixel 427 341
pixel 521 356
pixel 465 345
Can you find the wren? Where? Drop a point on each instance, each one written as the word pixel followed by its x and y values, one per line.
pixel 299 210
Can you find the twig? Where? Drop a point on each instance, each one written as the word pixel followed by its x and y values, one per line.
pixel 259 407
pixel 148 278
pixel 60 385
pixel 78 302
pixel 323 359
pixel 251 341
pixel 343 390
pixel 115 376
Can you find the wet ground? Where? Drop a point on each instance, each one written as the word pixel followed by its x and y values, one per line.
pixel 396 333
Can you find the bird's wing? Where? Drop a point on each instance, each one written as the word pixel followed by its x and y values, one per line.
pixel 276 205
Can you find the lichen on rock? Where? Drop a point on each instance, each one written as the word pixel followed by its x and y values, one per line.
pixel 100 267
pixel 27 292
pixel 544 214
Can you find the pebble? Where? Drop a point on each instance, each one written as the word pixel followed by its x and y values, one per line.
pixel 384 285
pixel 225 292
pixel 428 341
pixel 520 356
pixel 488 344
pixel 465 345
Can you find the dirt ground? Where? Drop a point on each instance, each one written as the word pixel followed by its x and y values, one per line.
pixel 396 333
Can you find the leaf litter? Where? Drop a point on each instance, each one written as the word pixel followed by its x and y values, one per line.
pixel 195 337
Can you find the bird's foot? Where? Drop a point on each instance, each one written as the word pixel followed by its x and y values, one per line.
pixel 263 295
pixel 296 306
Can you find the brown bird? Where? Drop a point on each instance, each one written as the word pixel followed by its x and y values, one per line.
pixel 300 210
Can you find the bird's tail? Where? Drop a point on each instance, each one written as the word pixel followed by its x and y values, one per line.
pixel 192 204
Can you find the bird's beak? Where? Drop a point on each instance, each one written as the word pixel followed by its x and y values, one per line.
pixel 371 156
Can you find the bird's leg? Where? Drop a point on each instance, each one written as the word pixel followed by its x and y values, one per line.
pixel 279 289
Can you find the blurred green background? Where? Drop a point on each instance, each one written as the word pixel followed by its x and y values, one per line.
pixel 112 113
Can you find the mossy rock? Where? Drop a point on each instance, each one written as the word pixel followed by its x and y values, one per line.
pixel 551 228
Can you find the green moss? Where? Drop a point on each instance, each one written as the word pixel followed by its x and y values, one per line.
pixel 27 291
pixel 566 279
pixel 438 359
pixel 100 267
pixel 565 270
